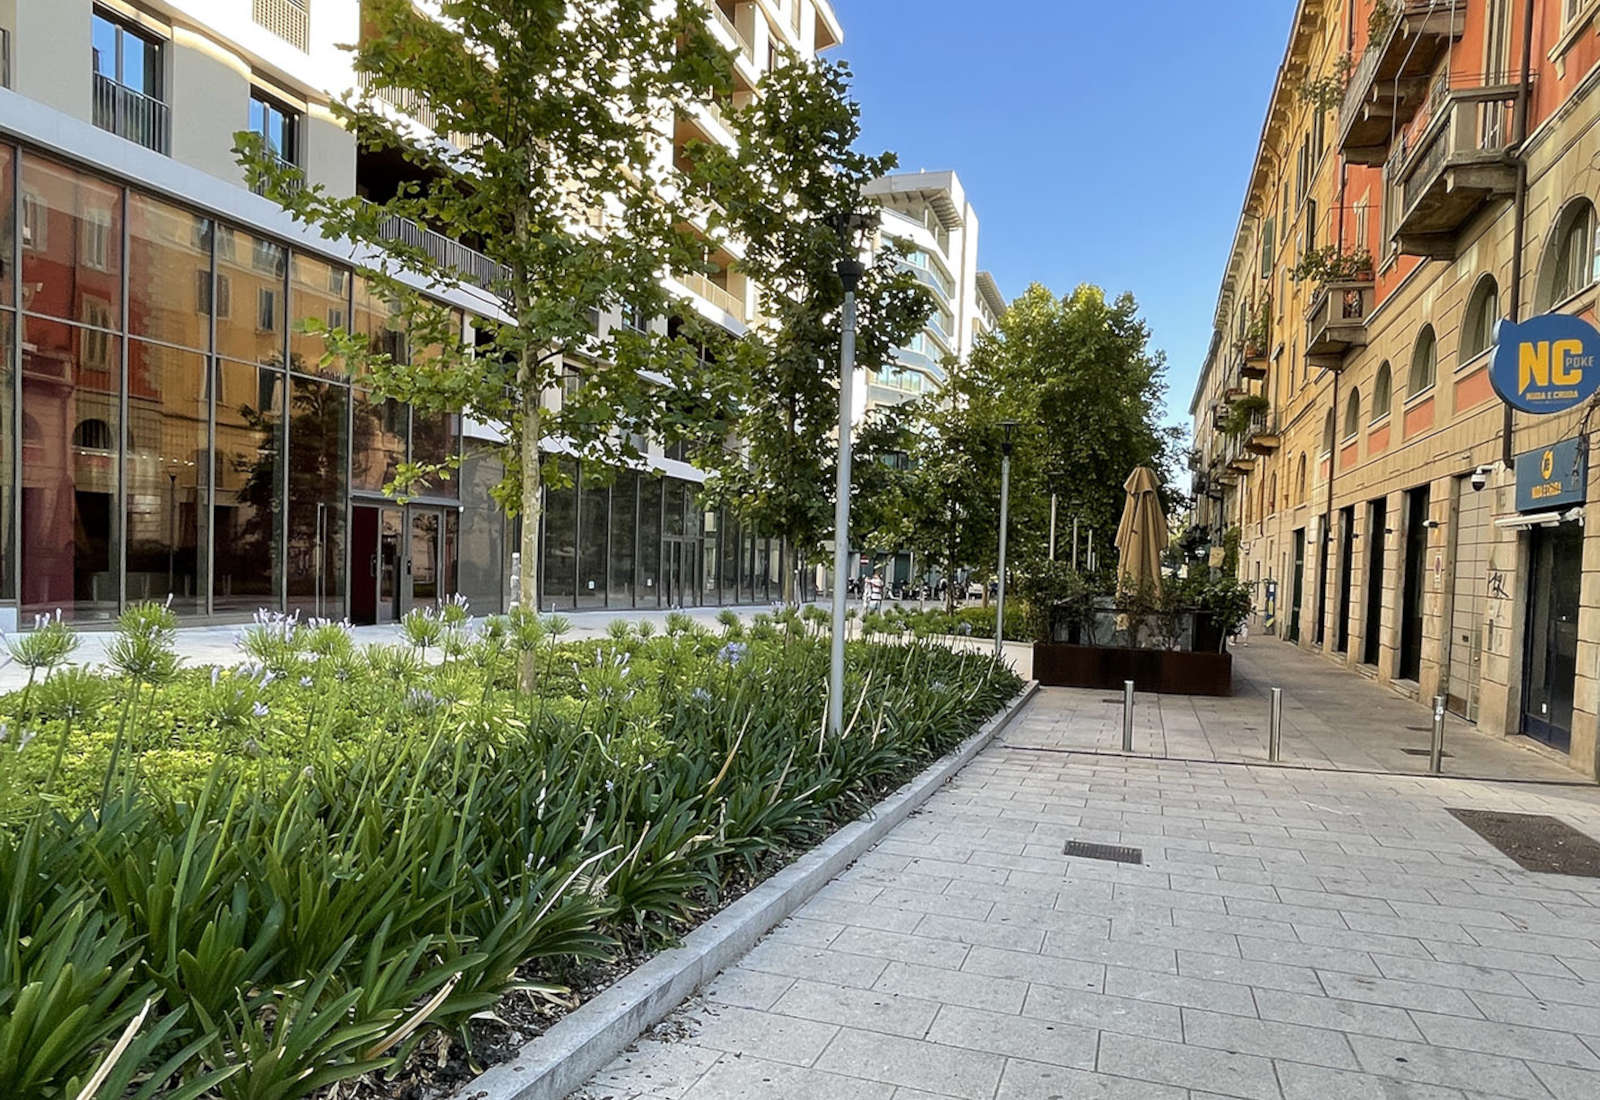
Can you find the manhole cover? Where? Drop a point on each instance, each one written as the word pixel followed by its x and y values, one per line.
pixel 1537 842
pixel 1085 849
pixel 1423 752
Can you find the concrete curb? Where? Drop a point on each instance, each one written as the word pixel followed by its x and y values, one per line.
pixel 583 1043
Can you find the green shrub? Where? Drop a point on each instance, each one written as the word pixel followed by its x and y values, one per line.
pixel 281 876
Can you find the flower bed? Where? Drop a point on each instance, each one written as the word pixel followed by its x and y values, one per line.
pixel 272 879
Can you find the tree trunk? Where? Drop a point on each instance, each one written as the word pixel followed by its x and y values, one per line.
pixel 532 503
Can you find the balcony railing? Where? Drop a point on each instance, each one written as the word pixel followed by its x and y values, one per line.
pixel 288 19
pixel 1262 436
pixel 723 299
pixel 932 278
pixel 410 104
pixel 745 46
pixel 1336 323
pixel 448 252
pixel 1460 160
pixel 294 183
pixel 1390 81
pixel 133 115
pixel 5 58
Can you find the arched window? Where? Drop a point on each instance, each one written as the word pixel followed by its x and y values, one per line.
pixel 1352 414
pixel 1382 392
pixel 1300 482
pixel 30 429
pixel 93 435
pixel 1483 310
pixel 1327 432
pixel 1571 256
pixel 1424 362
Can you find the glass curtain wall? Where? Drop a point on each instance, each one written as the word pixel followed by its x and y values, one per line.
pixel 559 572
pixel 624 518
pixel 594 522
pixel 482 546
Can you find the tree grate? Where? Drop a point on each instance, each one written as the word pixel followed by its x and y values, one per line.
pixel 1085 849
pixel 1537 842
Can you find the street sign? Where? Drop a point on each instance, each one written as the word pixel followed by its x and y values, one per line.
pixel 1546 364
pixel 1552 477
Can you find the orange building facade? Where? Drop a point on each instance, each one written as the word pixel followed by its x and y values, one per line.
pixel 1427 169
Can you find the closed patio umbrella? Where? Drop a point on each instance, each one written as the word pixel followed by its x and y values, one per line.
pixel 1142 533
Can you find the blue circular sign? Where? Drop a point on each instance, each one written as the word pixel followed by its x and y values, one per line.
pixel 1546 364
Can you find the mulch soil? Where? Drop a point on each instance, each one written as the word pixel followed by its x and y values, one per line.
pixel 1537 842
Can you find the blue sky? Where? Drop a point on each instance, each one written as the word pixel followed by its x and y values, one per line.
pixel 1098 142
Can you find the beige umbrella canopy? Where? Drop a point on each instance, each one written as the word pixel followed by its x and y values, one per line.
pixel 1142 533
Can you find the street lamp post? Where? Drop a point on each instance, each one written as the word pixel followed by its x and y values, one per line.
pixel 1006 428
pixel 850 272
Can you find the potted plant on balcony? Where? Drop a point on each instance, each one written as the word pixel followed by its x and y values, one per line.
pixel 1242 415
pixel 1333 264
pixel 1327 92
pixel 1256 333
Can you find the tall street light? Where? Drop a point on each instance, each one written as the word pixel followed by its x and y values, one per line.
pixel 850 272
pixel 1006 428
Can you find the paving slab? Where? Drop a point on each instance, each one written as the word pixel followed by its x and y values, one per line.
pixel 1293 934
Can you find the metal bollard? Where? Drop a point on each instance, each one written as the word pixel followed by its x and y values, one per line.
pixel 1436 755
pixel 1275 727
pixel 1127 716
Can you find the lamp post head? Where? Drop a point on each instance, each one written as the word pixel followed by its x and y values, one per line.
pixel 850 272
pixel 1006 428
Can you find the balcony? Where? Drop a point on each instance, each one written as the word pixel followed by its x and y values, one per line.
pixel 469 263
pixel 720 297
pixel 1255 362
pixel 138 117
pixel 1390 82
pixel 413 106
pixel 1461 160
pixel 744 44
pixel 295 184
pixel 288 19
pixel 1336 323
pixel 1262 437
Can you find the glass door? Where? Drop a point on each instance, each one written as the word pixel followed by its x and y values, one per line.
pixel 389 550
pixel 423 565
pixel 1551 650
pixel 1296 582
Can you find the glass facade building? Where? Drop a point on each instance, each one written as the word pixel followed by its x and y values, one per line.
pixel 167 433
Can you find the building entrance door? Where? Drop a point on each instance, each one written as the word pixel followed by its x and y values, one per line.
pixel 375 563
pixel 1347 546
pixel 1550 655
pixel 1372 631
pixel 1296 584
pixel 1416 562
pixel 681 580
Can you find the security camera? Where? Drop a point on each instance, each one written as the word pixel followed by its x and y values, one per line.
pixel 1480 478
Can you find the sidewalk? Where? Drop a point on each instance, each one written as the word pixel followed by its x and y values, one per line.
pixel 1332 718
pixel 1291 935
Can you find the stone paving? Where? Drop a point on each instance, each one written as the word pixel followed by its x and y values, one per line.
pixel 1332 718
pixel 1293 934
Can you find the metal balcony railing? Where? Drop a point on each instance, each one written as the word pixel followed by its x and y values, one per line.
pixel 1391 70
pixel 745 45
pixel 412 105
pixel 133 115
pixel 294 184
pixel 5 58
pixel 446 251
pixel 290 20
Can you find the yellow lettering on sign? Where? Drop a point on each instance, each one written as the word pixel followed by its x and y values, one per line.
pixel 1533 365
pixel 1563 375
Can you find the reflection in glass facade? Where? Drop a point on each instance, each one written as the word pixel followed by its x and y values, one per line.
pixel 181 439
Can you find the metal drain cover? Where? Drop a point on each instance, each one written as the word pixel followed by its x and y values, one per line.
pixel 1085 849
pixel 1422 752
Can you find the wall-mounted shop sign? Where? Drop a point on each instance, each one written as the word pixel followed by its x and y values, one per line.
pixel 1546 364
pixel 1552 477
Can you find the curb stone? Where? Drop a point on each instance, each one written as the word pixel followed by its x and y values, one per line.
pixel 584 1042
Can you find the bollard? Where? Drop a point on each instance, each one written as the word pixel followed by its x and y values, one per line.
pixel 1436 755
pixel 1275 727
pixel 1127 716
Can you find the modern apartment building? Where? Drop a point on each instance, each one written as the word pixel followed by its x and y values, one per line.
pixel 1426 169
pixel 165 432
pixel 928 216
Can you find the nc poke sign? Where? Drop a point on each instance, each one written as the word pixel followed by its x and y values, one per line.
pixel 1546 364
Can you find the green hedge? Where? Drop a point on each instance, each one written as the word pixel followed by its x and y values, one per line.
pixel 283 876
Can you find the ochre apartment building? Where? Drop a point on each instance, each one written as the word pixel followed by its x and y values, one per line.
pixel 1426 170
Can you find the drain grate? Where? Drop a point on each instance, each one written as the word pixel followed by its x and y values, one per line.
pixel 1422 752
pixel 1537 842
pixel 1085 849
